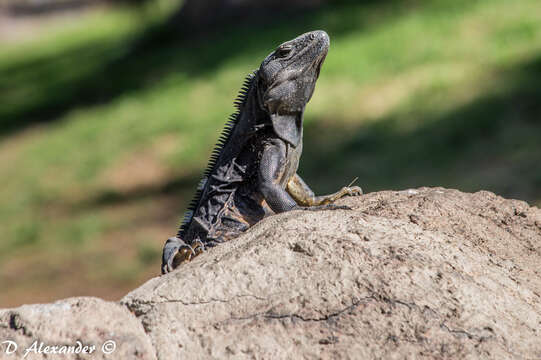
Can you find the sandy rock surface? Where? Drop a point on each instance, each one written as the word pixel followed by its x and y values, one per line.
pixel 91 321
pixel 426 273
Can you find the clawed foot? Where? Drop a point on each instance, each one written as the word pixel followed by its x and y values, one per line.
pixel 176 252
pixel 352 191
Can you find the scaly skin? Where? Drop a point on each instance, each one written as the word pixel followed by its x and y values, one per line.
pixel 253 171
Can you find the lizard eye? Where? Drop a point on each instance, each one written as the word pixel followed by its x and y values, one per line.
pixel 284 50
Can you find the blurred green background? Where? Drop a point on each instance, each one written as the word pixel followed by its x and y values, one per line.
pixel 110 110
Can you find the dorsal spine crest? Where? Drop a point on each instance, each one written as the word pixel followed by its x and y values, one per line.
pixel 222 141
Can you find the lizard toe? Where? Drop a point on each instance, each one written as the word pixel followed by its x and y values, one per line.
pixel 354 191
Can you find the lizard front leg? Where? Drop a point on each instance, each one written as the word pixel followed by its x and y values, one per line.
pixel 272 168
pixel 304 196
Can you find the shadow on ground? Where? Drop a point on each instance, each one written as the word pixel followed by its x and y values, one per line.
pixel 491 143
pixel 42 89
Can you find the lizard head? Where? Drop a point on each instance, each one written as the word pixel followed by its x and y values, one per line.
pixel 287 78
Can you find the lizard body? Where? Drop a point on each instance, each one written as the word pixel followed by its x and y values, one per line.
pixel 253 171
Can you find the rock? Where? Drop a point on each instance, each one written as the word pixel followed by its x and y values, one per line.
pixel 425 273
pixel 91 321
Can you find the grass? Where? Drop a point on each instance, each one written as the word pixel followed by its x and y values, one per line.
pixel 106 125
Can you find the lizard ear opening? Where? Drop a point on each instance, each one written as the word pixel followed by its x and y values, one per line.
pixel 288 127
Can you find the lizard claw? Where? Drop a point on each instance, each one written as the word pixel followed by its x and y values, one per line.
pixel 175 252
pixel 198 247
pixel 353 191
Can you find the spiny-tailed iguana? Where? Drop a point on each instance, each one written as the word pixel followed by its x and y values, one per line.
pixel 253 171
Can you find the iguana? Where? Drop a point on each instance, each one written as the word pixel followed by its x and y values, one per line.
pixel 252 172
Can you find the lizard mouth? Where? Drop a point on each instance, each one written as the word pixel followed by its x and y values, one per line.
pixel 318 63
pixel 322 42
